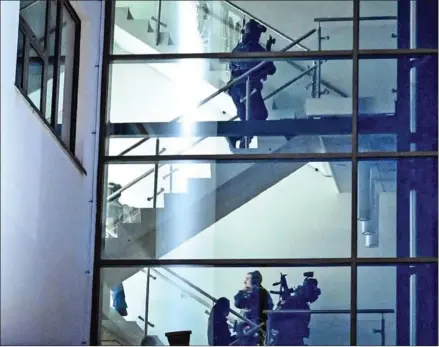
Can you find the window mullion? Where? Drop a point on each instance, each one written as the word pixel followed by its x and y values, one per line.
pixel 56 65
pixel 26 47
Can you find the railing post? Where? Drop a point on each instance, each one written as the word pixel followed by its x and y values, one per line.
pixel 171 177
pixel 159 17
pixel 383 330
pixel 148 274
pixel 156 174
pixel 319 66
pixel 247 106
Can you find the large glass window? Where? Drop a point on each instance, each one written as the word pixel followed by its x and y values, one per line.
pixel 319 157
pixel 48 64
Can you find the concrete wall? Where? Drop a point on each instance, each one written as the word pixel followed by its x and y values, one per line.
pixel 303 216
pixel 47 220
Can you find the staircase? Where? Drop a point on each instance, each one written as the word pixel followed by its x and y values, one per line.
pixel 165 225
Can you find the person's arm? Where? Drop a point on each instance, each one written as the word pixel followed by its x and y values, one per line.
pixel 269 67
pixel 242 299
pixel 270 304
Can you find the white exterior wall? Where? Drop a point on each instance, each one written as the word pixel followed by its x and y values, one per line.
pixel 47 221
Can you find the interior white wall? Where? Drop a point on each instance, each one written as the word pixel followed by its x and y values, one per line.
pixel 47 219
pixel 303 216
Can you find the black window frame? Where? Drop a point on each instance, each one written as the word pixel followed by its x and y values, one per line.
pixel 41 47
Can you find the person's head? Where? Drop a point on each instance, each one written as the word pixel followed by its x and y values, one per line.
pixel 222 307
pixel 309 290
pixel 252 31
pixel 252 279
pixel 148 341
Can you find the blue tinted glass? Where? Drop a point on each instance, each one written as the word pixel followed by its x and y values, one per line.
pixel 403 299
pixel 398 24
pixel 398 104
pixel 398 208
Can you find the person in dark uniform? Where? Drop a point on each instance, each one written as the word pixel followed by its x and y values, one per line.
pixel 294 328
pixel 250 43
pixel 254 299
pixel 218 333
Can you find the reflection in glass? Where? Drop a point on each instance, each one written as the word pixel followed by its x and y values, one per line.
pixel 397 208
pixel 35 78
pixel 215 26
pixel 66 77
pixel 181 299
pixel 398 24
pixel 409 294
pixel 229 210
pixel 34 13
pixel 398 102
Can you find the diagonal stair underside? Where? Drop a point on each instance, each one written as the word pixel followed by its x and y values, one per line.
pixel 177 227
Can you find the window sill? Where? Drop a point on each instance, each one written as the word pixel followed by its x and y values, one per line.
pixel 63 146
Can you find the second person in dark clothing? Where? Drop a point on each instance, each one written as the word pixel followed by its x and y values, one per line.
pixel 218 333
pixel 254 299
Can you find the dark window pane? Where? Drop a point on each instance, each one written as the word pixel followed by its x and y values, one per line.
pixel 35 16
pixel 20 59
pixel 35 78
pixel 409 294
pixel 397 208
pixel 175 303
pixel 398 24
pixel 398 104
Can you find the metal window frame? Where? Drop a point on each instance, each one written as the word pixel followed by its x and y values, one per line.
pixel 354 157
pixel 42 49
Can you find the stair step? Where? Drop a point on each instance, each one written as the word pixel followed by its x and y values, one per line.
pixel 121 14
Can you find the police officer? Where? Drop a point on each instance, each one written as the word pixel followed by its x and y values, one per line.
pixel 293 328
pixel 250 43
pixel 254 299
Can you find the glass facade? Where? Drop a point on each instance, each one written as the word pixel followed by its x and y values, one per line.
pixel 238 149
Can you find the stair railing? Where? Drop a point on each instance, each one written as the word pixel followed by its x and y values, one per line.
pixel 381 330
pixel 188 293
pixel 207 295
pixel 149 172
pixel 225 88
pixel 317 81
pixel 204 101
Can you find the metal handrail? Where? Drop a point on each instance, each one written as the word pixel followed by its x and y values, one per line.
pixel 185 291
pixel 207 295
pixel 288 38
pixel 350 19
pixel 150 171
pixel 226 87
pixel 345 311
